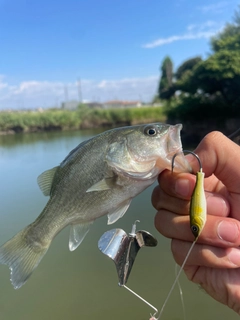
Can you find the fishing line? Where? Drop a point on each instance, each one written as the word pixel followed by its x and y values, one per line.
pixel 141 298
pixel 181 293
pixel 176 280
pixel 232 135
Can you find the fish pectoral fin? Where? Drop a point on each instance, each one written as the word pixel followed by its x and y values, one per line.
pixel 104 184
pixel 119 212
pixel 77 234
pixel 45 180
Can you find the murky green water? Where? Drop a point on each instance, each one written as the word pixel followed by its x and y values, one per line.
pixel 83 284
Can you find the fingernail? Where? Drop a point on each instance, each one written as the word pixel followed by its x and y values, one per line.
pixel 182 187
pixel 234 256
pixel 228 231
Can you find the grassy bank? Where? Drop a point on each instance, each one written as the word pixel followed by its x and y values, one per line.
pixel 83 117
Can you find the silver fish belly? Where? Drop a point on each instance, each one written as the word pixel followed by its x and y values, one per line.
pixel 99 177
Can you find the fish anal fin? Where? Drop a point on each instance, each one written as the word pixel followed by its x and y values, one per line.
pixel 77 234
pixel 45 180
pixel 119 212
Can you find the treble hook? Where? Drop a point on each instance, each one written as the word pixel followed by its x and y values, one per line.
pixel 188 151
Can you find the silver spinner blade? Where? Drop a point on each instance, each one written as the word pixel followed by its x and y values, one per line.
pixel 123 248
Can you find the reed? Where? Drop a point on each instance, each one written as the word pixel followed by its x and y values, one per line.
pixel 83 117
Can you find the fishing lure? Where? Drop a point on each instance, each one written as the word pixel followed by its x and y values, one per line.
pixel 123 248
pixel 198 211
pixel 198 216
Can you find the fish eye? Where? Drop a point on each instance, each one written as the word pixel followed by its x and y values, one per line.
pixel 150 131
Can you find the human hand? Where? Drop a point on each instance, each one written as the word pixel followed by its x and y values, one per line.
pixel 214 262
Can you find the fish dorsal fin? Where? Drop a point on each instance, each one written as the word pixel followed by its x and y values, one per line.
pixel 77 234
pixel 45 180
pixel 104 184
pixel 119 212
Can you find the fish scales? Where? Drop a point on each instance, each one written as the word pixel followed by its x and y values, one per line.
pixel 99 177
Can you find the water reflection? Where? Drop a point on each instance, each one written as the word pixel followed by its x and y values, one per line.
pixel 83 283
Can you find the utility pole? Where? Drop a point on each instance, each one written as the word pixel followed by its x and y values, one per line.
pixel 79 89
pixel 66 93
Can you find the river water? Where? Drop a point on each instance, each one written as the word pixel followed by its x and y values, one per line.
pixel 83 284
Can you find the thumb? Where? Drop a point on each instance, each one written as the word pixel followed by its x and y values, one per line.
pixel 219 156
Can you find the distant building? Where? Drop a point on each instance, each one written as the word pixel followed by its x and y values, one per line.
pixel 70 105
pixel 94 105
pixel 157 104
pixel 122 104
pixel 73 104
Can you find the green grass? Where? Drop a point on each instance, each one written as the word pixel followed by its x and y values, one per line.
pixel 32 120
pixel 113 117
pixel 83 117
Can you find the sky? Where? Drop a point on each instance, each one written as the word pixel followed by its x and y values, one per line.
pixel 98 50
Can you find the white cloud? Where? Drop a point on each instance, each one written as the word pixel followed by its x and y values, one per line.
pixel 126 89
pixel 3 85
pixel 215 7
pixel 38 87
pixel 194 31
pixel 205 26
pixel 34 94
pixel 191 27
pixel 187 36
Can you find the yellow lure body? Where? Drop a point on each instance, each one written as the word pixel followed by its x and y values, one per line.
pixel 198 206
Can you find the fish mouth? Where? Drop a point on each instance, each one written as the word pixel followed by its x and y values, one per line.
pixel 175 147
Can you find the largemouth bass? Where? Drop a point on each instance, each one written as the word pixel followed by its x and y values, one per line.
pixel 99 177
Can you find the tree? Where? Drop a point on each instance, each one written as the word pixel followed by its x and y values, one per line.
pixel 166 90
pixel 210 88
pixel 220 72
pixel 229 38
pixel 187 65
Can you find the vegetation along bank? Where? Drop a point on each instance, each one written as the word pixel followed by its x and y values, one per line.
pixel 81 118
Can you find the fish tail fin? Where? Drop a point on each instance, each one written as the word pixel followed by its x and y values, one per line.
pixel 22 256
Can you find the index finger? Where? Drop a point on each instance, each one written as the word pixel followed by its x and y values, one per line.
pixel 219 156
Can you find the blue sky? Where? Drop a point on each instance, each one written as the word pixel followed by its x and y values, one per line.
pixel 114 47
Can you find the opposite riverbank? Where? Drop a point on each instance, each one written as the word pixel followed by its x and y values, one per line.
pixel 12 122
